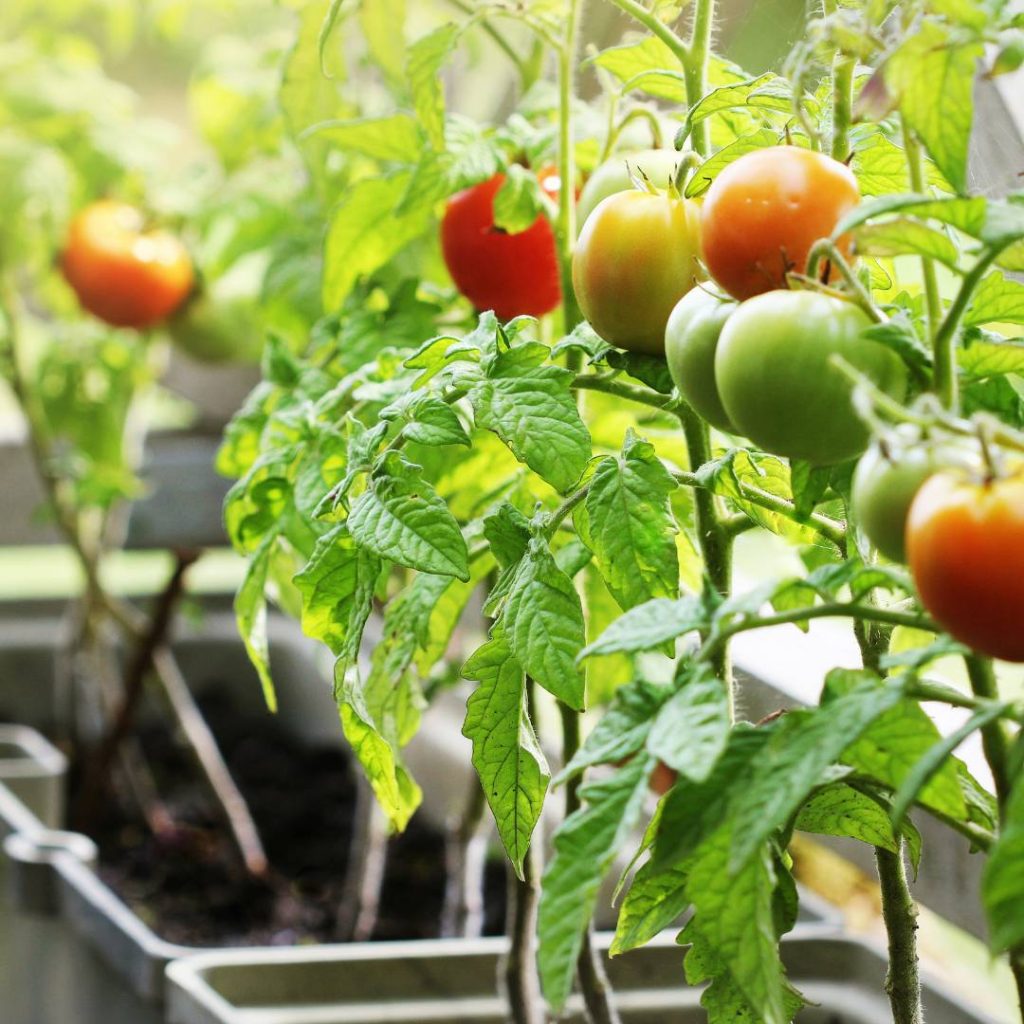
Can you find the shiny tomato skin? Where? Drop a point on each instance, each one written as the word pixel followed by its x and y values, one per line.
pixel 889 475
pixel 616 175
pixel 691 340
pixel 965 544
pixel 776 381
pixel 122 273
pixel 513 275
pixel 765 210
pixel 636 257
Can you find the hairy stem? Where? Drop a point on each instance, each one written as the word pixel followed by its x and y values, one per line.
pixel 843 68
pixel 695 69
pixel 565 226
pixel 902 981
pixel 518 973
pixel 656 27
pixel 611 385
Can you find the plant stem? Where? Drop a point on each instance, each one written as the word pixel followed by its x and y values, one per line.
pixel 656 27
pixel 902 981
pixel 97 772
pixel 203 745
pixel 944 339
pixel 518 973
pixel 594 986
pixel 631 392
pixel 498 38
pixel 843 68
pixel 915 168
pixel 831 529
pixel 695 69
pixel 714 540
pixel 465 855
pixel 825 248
pixel 565 226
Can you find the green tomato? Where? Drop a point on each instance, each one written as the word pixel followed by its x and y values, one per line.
pixel 636 257
pixel 777 382
pixel 615 175
pixel 222 323
pixel 889 475
pixel 691 339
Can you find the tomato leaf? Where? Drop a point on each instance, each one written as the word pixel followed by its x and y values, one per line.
pixel 985 354
pixel 394 138
pixel 400 517
pixel 337 586
pixel 901 236
pixel 517 203
pixel 767 92
pixel 649 625
pixel 544 624
pixel 997 300
pixel 795 759
pixel 531 408
pixel 251 614
pixel 627 522
pixel 426 57
pixel 512 769
pixel 692 727
pixel 655 901
pixel 585 847
pixel 932 77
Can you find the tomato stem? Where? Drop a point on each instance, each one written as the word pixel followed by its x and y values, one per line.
pixel 902 981
pixel 843 68
pixel 656 27
pixel 695 70
pixel 825 248
pixel 915 169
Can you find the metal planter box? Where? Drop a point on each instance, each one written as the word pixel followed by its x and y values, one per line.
pixel 454 983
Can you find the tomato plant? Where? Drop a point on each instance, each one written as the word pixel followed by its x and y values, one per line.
pixel 512 273
pixel 635 258
pixel 774 372
pixel 763 213
pixel 122 273
pixel 965 544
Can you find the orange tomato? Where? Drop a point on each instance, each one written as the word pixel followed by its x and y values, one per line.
pixel 763 213
pixel 122 273
pixel 965 546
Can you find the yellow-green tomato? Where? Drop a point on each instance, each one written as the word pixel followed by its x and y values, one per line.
pixel 777 382
pixel 889 475
pixel 616 175
pixel 636 257
pixel 222 323
pixel 691 339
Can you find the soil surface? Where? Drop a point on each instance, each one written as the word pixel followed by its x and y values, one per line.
pixel 190 885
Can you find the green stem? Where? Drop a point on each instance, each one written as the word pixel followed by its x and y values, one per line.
pixel 714 538
pixel 915 167
pixel 825 248
pixel 498 37
pixel 636 114
pixel 944 339
pixel 655 26
pixel 902 981
pixel 843 68
pixel 557 516
pixel 565 225
pixel 831 529
pixel 695 69
pixel 632 392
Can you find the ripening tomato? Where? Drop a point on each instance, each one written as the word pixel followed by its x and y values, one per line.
pixel 636 257
pixel 122 273
pixel 763 213
pixel 658 166
pixel 965 544
pixel 891 472
pixel 777 383
pixel 691 340
pixel 513 274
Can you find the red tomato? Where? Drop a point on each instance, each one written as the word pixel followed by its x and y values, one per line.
pixel 763 213
pixel 965 546
pixel 122 273
pixel 511 274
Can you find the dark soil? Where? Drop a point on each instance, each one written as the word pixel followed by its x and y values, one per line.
pixel 190 886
